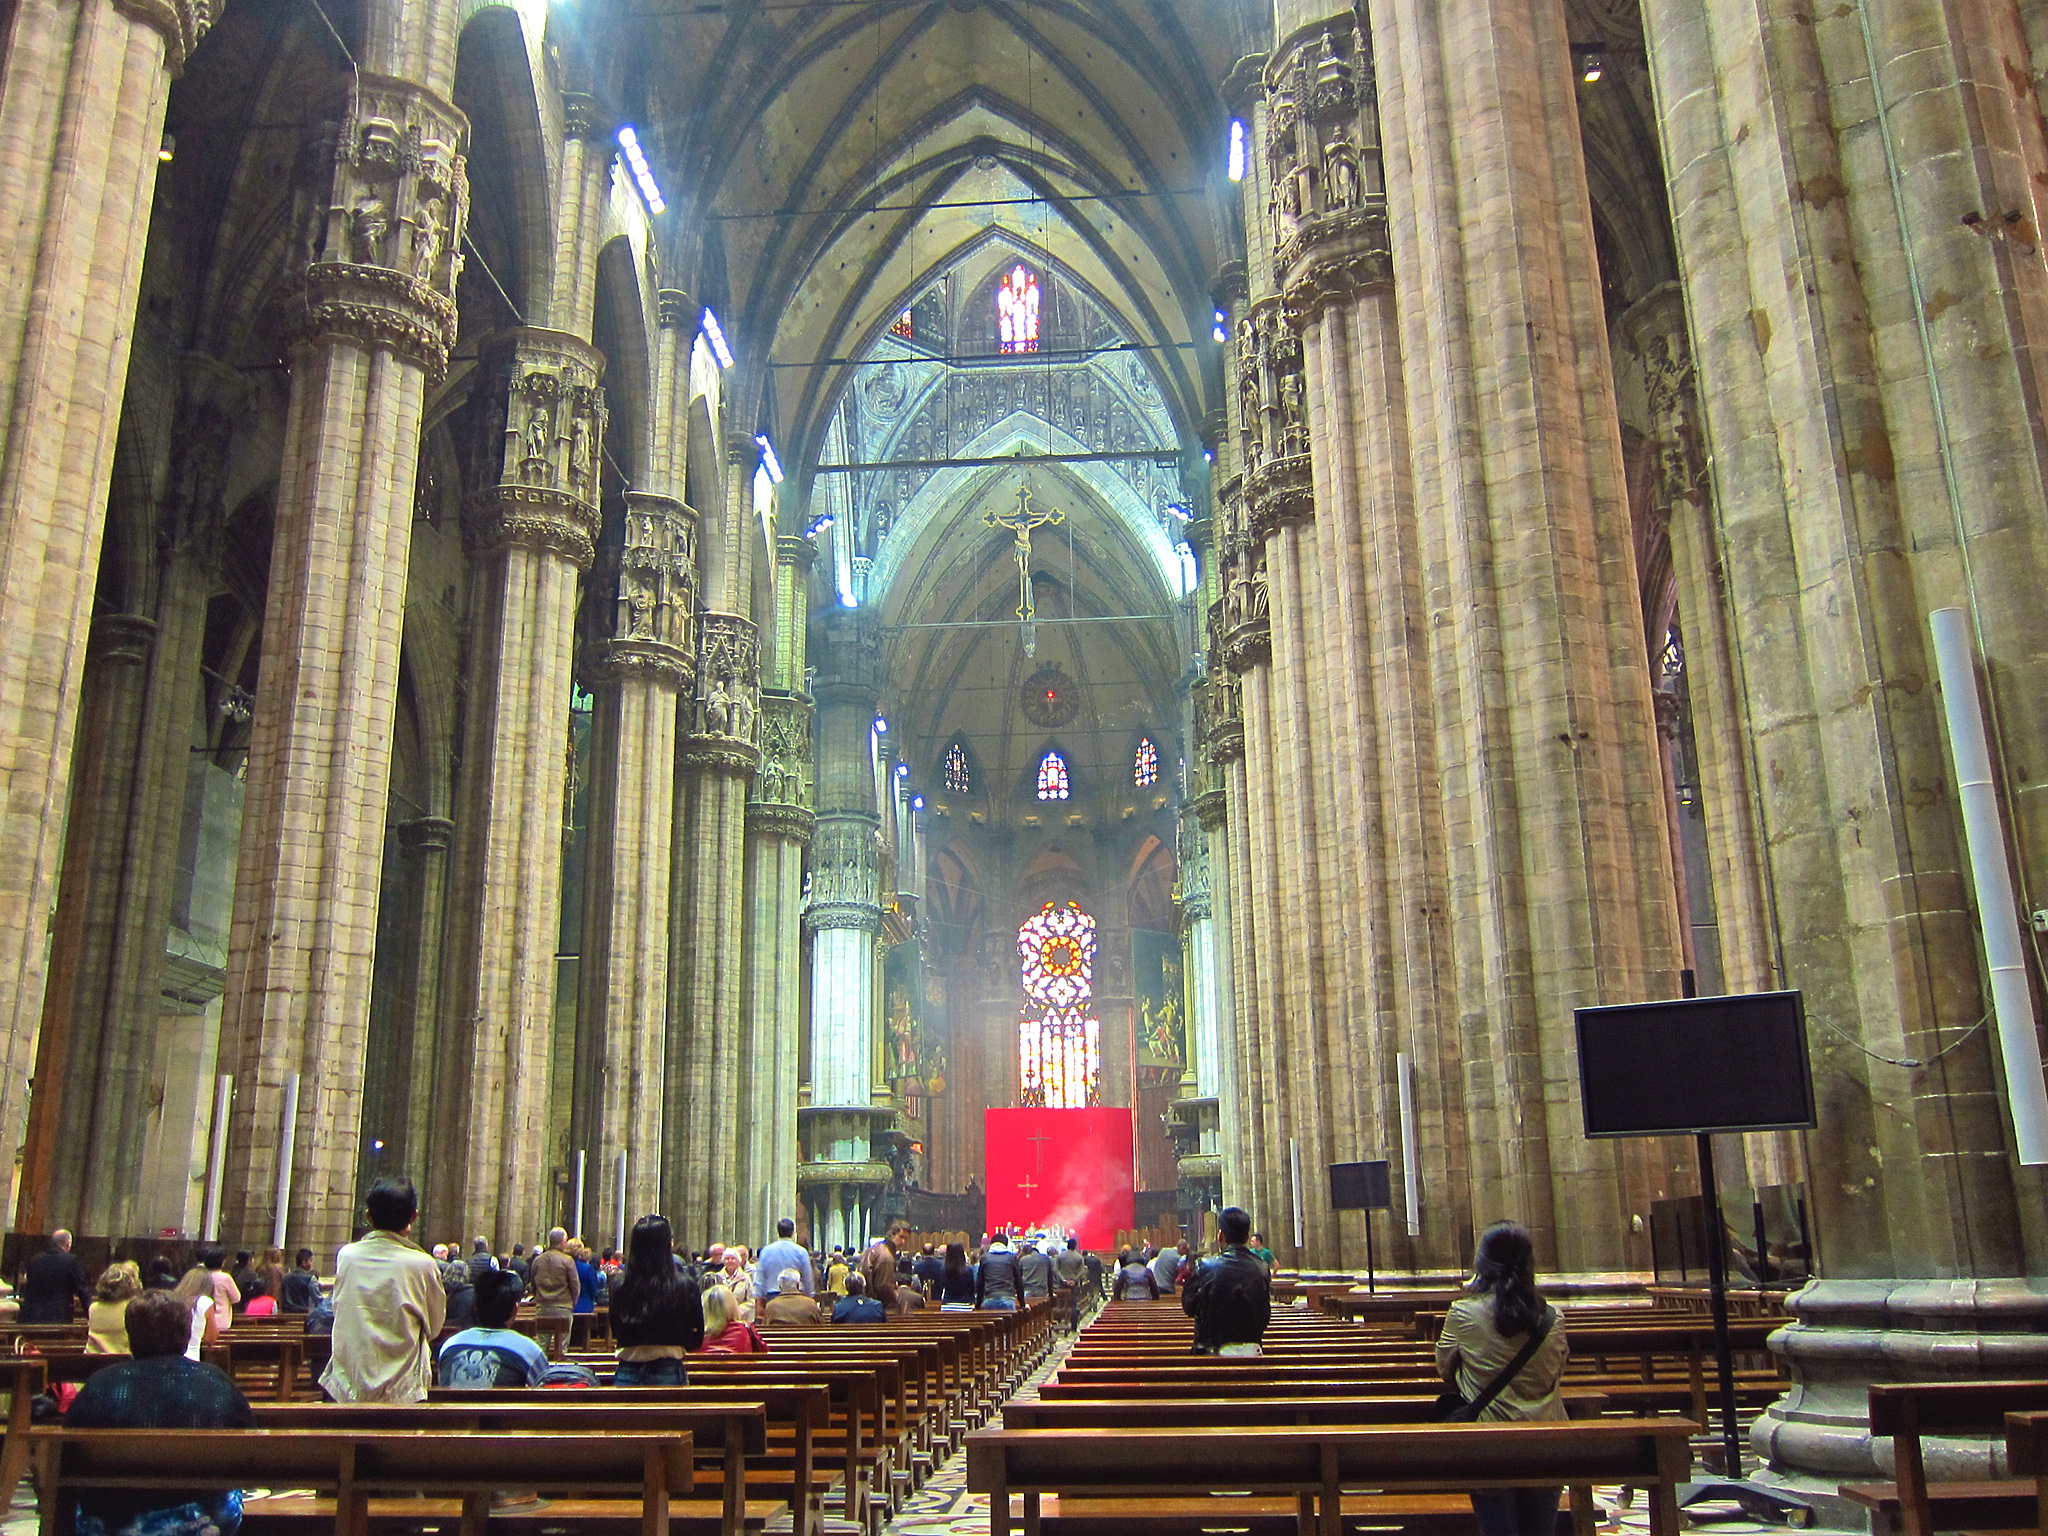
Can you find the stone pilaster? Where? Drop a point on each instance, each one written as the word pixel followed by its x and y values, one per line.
pixel 705 1162
pixel 81 120
pixel 398 1079
pixel 530 531
pixel 779 819
pixel 1558 881
pixel 379 317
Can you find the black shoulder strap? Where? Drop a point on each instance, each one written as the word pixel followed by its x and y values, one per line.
pixel 1513 1368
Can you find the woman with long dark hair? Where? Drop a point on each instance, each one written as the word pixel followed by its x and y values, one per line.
pixel 657 1312
pixel 1503 1348
pixel 956 1285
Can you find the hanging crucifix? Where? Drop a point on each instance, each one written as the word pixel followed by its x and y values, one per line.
pixel 1020 523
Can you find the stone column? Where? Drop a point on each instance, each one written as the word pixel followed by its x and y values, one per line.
pixel 81 120
pixel 638 679
pixel 1386 900
pixel 779 824
pixel 844 916
pixel 1200 1159
pixel 397 1077
pixel 379 318
pixel 1559 882
pixel 1853 196
pixel 530 533
pixel 706 1162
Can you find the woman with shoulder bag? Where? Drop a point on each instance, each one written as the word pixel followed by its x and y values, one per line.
pixel 1503 1353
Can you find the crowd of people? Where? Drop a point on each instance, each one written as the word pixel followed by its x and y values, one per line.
pixel 394 1304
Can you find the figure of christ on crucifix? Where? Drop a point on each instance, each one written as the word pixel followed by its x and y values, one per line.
pixel 1020 523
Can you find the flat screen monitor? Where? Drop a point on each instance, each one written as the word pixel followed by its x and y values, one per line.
pixel 1699 1064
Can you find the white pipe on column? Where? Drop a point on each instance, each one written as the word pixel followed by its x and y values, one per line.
pixel 284 1159
pixel 1411 1172
pixel 622 1200
pixel 217 1156
pixel 582 1172
pixel 1998 918
pixel 1300 1222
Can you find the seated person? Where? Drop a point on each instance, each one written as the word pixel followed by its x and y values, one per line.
pixel 492 1353
pixel 159 1389
pixel 856 1306
pixel 1134 1279
pixel 789 1304
pixel 1230 1296
pixel 725 1331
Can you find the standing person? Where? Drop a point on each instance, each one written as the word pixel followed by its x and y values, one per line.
pixel 878 1268
pixel 1094 1261
pixel 589 1292
pixel 856 1306
pixel 480 1260
pixel 1069 1271
pixel 1230 1296
pixel 790 1305
pixel 1034 1273
pixel 657 1310
pixel 784 1253
pixel 556 1285
pixel 158 1388
pixel 389 1305
pixel 956 1279
pixel 491 1352
pixel 195 1293
pixel 226 1294
pixel 1133 1275
pixel 53 1279
pixel 519 1265
pixel 929 1270
pixel 836 1272
pixel 106 1320
pixel 998 1283
pixel 1260 1250
pixel 1504 1349
pixel 302 1286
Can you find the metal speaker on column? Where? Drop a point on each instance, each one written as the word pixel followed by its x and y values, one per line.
pixel 1361 1187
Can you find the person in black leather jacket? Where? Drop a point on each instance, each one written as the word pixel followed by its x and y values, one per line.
pixel 1230 1296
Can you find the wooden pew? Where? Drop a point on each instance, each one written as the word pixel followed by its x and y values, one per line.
pixel 1911 1505
pixel 730 1432
pixel 1181 1470
pixel 2026 1455
pixel 21 1378
pixel 363 1466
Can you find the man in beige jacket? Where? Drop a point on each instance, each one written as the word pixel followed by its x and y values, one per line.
pixel 389 1305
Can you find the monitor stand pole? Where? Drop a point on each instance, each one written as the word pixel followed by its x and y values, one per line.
pixel 1717 1287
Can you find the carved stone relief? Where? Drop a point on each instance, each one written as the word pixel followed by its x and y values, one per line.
pixel 544 429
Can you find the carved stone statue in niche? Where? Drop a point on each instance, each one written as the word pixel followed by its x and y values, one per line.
pixel 1340 174
pixel 582 458
pixel 1293 426
pixel 1255 607
pixel 540 432
pixel 426 243
pixel 369 226
pixel 637 610
pixel 717 707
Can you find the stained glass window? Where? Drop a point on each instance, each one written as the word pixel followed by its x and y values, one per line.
pixel 1053 783
pixel 1059 1050
pixel 905 326
pixel 1017 310
pixel 959 778
pixel 1145 771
